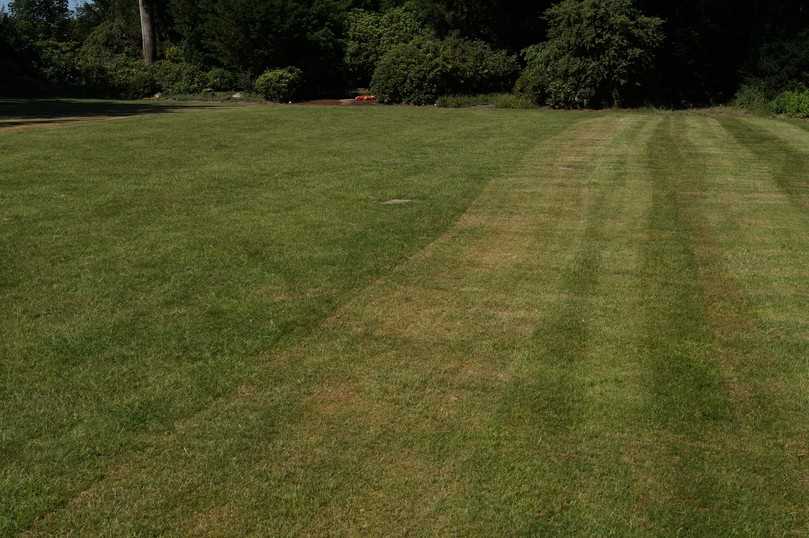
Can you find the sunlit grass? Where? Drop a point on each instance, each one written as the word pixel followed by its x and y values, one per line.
pixel 575 323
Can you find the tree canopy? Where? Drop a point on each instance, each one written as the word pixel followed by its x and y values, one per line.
pixel 662 52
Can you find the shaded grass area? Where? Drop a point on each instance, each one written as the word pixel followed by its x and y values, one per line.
pixel 582 324
pixel 31 112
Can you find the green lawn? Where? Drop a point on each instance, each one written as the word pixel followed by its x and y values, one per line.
pixel 581 323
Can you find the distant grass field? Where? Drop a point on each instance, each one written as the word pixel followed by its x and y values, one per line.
pixel 580 324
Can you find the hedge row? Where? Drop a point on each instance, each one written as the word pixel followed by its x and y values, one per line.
pixel 420 71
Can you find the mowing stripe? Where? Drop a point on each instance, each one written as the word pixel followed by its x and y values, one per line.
pixel 687 398
pixel 611 340
pixel 712 415
pixel 551 419
pixel 455 337
pixel 787 151
pixel 271 433
pixel 754 265
pixel 130 373
pixel 685 384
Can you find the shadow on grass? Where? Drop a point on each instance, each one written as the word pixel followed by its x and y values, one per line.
pixel 22 112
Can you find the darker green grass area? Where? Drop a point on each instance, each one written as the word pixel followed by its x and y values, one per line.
pixel 710 356
pixel 543 438
pixel 688 398
pixel 790 165
pixel 29 112
pixel 687 387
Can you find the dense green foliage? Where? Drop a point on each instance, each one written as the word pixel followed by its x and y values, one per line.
pixel 781 64
pixel 41 19
pixel 409 73
pixel 420 71
pixel 221 79
pixel 17 60
pixel 752 96
pixel 372 34
pixel 598 53
pixel 792 103
pixel 584 52
pixel 280 85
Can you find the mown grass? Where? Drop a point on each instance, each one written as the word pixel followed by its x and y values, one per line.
pixel 581 323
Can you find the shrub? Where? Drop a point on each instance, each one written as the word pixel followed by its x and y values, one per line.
pixel 222 80
pixel 425 68
pixel 122 76
pixel 280 85
pixel 174 54
pixel 753 96
pixel 245 82
pixel 179 78
pixel 409 73
pixel 127 78
pixel 470 67
pixel 370 35
pixel 792 103
pixel 780 65
pixel 58 64
pixel 18 59
pixel 117 76
pixel 598 53
pixel 111 38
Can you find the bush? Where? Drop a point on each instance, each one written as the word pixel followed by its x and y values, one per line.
pixel 425 68
pixel 370 35
pixel 470 67
pixel 110 69
pixel 409 73
pixel 111 38
pixel 179 78
pixel 58 65
pixel 107 68
pixel 245 82
pixel 753 96
pixel 222 80
pixel 117 76
pixel 121 77
pixel 780 66
pixel 598 53
pixel 280 85
pixel 126 77
pixel 792 103
pixel 18 59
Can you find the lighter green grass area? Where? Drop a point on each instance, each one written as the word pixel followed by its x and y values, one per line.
pixel 586 324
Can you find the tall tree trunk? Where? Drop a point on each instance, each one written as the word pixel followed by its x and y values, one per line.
pixel 147 31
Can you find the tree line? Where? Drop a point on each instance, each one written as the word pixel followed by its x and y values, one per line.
pixel 564 53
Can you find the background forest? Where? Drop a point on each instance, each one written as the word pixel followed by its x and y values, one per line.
pixel 568 54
